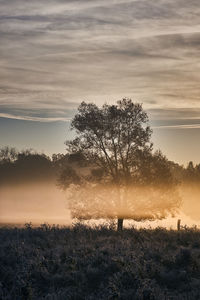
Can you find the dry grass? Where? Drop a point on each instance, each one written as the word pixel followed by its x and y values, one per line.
pixel 55 263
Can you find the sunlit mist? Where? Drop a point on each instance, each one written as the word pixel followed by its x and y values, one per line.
pixel 46 203
pixel 138 203
pixel 33 202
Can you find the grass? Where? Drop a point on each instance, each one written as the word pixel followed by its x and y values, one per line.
pixel 55 263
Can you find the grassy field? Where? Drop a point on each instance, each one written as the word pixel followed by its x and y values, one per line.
pixel 84 263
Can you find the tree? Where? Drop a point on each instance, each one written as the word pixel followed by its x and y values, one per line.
pixel 116 139
pixel 192 174
pixel 27 165
pixel 68 176
pixel 33 166
pixel 8 154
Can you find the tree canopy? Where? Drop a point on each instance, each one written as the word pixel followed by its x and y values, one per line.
pixel 113 137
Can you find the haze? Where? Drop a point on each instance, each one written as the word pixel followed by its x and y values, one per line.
pixel 45 203
pixel 54 55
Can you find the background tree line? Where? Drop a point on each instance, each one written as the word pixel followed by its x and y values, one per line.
pixel 17 166
pixel 29 165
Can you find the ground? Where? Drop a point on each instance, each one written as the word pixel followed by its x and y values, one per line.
pixel 55 263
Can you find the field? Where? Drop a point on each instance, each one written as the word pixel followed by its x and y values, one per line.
pixel 55 263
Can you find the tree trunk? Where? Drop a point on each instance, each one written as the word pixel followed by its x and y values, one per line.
pixel 120 224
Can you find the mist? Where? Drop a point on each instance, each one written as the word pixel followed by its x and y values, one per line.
pixel 33 202
pixel 45 202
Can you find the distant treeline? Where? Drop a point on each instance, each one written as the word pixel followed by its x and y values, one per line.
pixel 28 165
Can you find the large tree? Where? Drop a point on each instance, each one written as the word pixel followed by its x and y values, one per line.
pixel 116 139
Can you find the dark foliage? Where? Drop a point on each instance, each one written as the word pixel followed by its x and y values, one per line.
pixel 67 177
pixel 20 167
pixel 100 263
pixel 28 165
pixel 113 137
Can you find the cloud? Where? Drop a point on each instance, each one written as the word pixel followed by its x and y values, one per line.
pixel 181 126
pixel 55 55
pixel 35 119
pixel 38 110
pixel 188 113
pixel 174 118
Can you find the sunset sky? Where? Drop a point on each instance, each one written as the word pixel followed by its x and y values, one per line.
pixel 56 53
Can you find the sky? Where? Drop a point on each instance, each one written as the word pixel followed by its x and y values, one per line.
pixel 56 53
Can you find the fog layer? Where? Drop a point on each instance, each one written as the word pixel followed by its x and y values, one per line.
pixel 36 203
pixel 40 203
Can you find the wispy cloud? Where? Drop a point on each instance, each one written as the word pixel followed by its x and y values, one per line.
pixel 56 54
pixel 37 110
pixel 175 113
pixel 174 118
pixel 35 119
pixel 181 126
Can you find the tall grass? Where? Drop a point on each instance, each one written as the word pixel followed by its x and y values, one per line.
pixel 49 262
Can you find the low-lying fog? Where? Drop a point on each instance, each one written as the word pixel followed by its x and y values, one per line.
pixel 45 203
pixel 36 203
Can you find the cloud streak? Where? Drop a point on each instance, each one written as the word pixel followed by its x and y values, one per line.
pixel 55 55
pixel 35 119
pixel 181 126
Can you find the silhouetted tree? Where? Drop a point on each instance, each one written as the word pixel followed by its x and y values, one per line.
pixel 191 174
pixel 31 165
pixel 8 154
pixel 27 165
pixel 155 169
pixel 68 176
pixel 116 139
